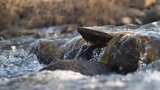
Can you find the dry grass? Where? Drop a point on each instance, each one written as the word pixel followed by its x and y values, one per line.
pixel 40 13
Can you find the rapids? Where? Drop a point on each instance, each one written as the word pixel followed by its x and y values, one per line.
pixel 19 66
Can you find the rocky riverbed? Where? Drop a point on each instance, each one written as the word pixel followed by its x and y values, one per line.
pixel 60 58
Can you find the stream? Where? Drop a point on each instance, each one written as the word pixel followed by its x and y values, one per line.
pixel 19 66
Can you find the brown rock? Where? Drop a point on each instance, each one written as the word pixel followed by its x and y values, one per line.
pixel 141 4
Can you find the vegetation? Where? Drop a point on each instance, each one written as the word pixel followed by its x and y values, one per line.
pixel 40 13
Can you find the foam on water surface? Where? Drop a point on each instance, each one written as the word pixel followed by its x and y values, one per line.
pixel 19 69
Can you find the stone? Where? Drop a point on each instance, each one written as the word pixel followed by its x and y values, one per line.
pixel 122 54
pixel 84 67
pixel 149 48
pixel 48 51
pixel 86 52
pixel 152 15
pixel 7 34
pixel 124 51
pixel 141 4
pixel 93 36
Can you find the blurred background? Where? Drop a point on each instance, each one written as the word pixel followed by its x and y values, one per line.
pixel 42 13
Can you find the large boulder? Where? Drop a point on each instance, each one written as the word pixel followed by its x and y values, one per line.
pixel 125 51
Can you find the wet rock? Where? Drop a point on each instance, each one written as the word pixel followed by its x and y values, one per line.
pixel 85 52
pixel 149 48
pixel 95 37
pixel 84 67
pixel 122 54
pixel 48 51
pixel 73 45
pixel 125 51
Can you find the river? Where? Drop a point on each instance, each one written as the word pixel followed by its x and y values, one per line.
pixel 19 67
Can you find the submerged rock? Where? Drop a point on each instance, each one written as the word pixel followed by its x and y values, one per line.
pixel 84 67
pixel 85 52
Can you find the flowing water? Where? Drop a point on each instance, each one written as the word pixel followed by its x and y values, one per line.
pixel 19 67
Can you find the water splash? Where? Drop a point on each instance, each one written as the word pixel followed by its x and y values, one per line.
pixel 18 63
pixel 15 62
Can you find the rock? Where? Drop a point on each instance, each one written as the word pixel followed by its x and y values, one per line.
pixel 149 48
pixel 133 16
pixel 152 15
pixel 122 54
pixel 86 52
pixel 141 4
pixel 98 37
pixel 125 51
pixel 48 51
pixel 6 34
pixel 84 67
pixel 94 36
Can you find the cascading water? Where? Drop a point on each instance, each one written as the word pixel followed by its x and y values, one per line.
pixel 19 67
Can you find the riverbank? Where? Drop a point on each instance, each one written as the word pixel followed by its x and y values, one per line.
pixel 43 13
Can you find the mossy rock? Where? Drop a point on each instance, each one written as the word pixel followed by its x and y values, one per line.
pixel 122 54
pixel 149 48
